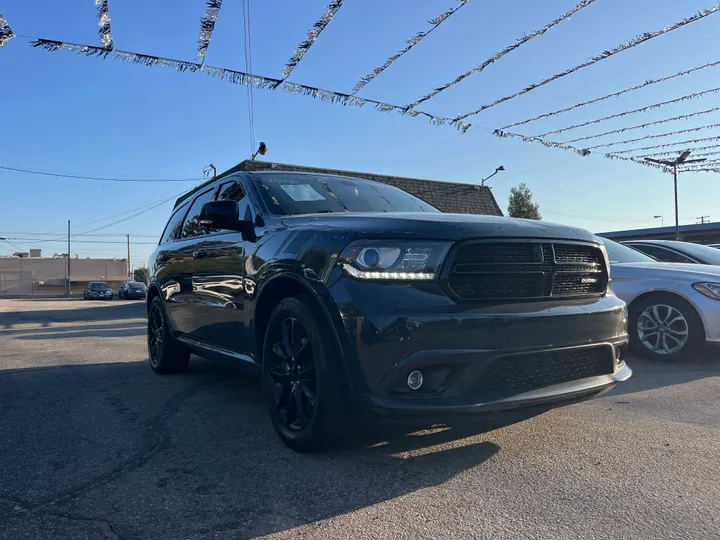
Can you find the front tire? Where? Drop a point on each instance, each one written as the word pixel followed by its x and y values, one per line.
pixel 166 354
pixel 302 381
pixel 665 327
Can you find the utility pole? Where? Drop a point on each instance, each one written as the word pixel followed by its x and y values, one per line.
pixel 69 291
pixel 682 159
pixel 128 266
pixel 701 219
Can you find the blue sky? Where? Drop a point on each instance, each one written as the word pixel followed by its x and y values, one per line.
pixel 86 116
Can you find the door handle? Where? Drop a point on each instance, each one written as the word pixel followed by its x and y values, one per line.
pixel 199 254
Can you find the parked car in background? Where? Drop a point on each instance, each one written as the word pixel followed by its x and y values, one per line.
pixel 350 296
pixel 673 307
pixel 677 252
pixel 716 246
pixel 132 290
pixel 98 290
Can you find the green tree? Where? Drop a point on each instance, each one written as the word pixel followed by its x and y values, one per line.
pixel 521 205
pixel 140 274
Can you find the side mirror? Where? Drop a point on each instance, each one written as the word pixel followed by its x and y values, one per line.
pixel 225 215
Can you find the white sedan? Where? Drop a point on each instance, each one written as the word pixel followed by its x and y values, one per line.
pixel 673 308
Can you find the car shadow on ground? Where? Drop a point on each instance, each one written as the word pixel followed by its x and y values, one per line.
pixel 116 443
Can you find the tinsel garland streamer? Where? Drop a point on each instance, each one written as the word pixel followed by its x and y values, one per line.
pixel 701 165
pixel 693 150
pixel 312 35
pixel 6 33
pixel 659 136
pixel 715 170
pixel 638 162
pixel 207 27
pixel 643 126
pixel 410 43
pixel 550 144
pixel 609 96
pixel 642 38
pixel 506 50
pixel 634 111
pixel 103 12
pixel 682 144
pixel 240 77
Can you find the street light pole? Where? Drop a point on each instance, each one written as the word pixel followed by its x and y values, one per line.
pixel 483 180
pixel 682 159
pixel 662 220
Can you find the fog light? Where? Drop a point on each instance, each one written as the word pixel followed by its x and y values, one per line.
pixel 415 380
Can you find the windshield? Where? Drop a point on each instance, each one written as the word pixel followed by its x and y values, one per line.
pixel 98 285
pixel 296 193
pixel 706 254
pixel 617 253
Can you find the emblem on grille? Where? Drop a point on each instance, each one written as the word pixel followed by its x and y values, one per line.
pixel 589 280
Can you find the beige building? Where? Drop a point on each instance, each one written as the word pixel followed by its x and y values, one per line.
pixel 48 275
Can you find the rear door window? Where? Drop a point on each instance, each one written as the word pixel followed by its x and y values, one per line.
pixel 192 226
pixel 172 229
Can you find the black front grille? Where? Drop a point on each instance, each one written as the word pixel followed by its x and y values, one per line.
pixel 526 270
pixel 508 375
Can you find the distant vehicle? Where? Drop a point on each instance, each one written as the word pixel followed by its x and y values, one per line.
pixel 676 252
pixel 98 289
pixel 132 289
pixel 716 246
pixel 347 295
pixel 673 307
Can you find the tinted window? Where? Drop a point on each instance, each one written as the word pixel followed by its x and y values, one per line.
pixel 705 254
pixel 617 253
pixel 192 226
pixel 290 193
pixel 662 254
pixel 234 191
pixel 172 229
pixel 136 285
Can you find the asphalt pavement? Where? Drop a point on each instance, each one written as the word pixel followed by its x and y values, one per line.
pixel 93 444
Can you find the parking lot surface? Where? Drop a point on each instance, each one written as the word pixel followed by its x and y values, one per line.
pixel 93 444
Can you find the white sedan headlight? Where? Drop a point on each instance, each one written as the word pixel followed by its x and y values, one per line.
pixel 711 290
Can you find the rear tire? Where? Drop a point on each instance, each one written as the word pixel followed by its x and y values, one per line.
pixel 665 327
pixel 302 380
pixel 166 354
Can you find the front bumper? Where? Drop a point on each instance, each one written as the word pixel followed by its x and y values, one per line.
pixel 100 296
pixel 387 340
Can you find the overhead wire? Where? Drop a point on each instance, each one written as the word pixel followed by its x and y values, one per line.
pixel 658 136
pixel 248 68
pixel 98 178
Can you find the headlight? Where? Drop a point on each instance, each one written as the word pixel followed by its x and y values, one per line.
pixel 711 290
pixel 394 259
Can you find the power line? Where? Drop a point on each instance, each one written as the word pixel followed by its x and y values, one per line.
pixel 248 68
pixel 108 235
pixel 48 240
pixel 99 178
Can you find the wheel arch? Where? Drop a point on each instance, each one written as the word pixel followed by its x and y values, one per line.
pixel 287 284
pixel 632 305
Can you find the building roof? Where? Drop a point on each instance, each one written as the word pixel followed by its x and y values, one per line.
pixel 700 233
pixel 451 197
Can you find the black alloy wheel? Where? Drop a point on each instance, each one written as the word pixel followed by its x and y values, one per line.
pixel 166 354
pixel 292 369
pixel 302 380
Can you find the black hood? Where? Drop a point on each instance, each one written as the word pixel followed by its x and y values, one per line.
pixel 436 226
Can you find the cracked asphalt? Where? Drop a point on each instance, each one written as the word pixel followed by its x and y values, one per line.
pixel 95 445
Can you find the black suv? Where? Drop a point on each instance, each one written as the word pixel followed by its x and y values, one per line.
pixel 354 299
